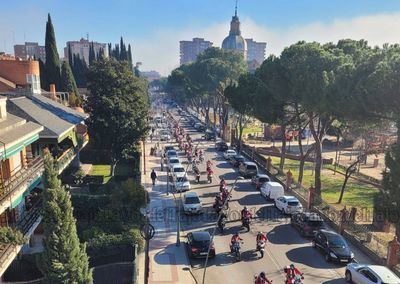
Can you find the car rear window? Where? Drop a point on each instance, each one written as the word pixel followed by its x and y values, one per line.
pixel 251 167
pixel 174 161
pixel 172 153
pixel 179 170
pixel 315 224
pixel 181 179
pixel 192 200
pixel 293 203
pixel 263 179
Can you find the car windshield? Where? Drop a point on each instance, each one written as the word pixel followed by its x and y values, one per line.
pixel 251 167
pixel 172 153
pixel 293 203
pixel 192 200
pixel 263 179
pixel 181 179
pixel 336 242
pixel 314 223
pixel 174 161
pixel 179 170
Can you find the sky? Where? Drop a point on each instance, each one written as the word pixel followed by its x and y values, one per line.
pixel 155 27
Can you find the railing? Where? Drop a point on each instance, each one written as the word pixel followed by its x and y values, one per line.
pixel 30 217
pixel 29 173
pixel 65 159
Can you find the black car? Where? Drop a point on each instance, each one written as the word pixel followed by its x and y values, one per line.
pixel 236 160
pixel 333 245
pixel 221 146
pixel 201 128
pixel 198 243
pixel 168 147
pixel 308 223
pixel 210 135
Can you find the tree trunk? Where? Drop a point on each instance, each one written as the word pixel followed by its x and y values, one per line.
pixel 283 148
pixel 318 157
pixel 349 171
pixel 241 127
pixel 302 163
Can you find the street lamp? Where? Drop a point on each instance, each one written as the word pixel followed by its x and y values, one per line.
pixel 216 225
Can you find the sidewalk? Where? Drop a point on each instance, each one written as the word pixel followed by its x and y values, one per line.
pixel 168 262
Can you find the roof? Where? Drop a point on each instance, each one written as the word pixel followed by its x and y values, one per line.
pixel 24 131
pixel 191 194
pixel 290 197
pixel 263 176
pixel 250 163
pixel 56 118
pixel 329 232
pixel 384 273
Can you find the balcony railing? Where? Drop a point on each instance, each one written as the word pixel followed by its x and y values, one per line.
pixel 30 172
pixel 65 159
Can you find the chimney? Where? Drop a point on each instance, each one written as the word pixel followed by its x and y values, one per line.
pixel 3 108
pixel 53 92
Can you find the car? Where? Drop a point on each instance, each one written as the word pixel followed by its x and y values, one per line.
pixel 370 274
pixel 177 168
pixel 308 223
pixel 168 147
pixel 333 246
pixel 229 153
pixel 191 203
pixel 198 244
pixel 259 179
pixel 201 128
pixel 197 125
pixel 181 182
pixel 170 153
pixel 172 161
pixel 248 169
pixel 221 146
pixel 236 160
pixel 210 135
pixel 288 204
pixel 272 190
pixel 165 135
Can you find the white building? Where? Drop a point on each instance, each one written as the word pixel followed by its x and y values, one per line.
pixel 82 48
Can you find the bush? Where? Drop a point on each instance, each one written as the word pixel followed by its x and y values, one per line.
pixel 91 233
pixel 78 176
pixel 101 242
pixel 11 236
pixel 109 221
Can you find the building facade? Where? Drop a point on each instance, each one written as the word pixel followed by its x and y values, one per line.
pixel 255 50
pixel 150 75
pixel 190 49
pixel 81 48
pixel 30 50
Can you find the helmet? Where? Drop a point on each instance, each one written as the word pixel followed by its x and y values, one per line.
pixel 292 266
pixel 245 208
pixel 260 233
pixel 262 274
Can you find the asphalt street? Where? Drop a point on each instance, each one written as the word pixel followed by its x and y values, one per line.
pixel 284 246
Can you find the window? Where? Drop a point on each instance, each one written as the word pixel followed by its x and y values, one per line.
pixel 367 274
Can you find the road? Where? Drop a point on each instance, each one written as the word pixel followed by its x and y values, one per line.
pixel 284 246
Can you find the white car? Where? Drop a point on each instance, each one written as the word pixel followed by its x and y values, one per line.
pixel 165 135
pixel 172 162
pixel 181 182
pixel 370 274
pixel 288 204
pixel 170 153
pixel 229 153
pixel 191 203
pixel 176 169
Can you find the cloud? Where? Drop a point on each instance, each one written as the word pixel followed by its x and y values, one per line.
pixel 160 51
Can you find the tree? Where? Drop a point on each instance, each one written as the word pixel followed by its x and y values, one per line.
pixel 52 64
pixel 68 80
pixel 118 107
pixel 50 174
pixel 80 70
pixel 64 259
pixel 92 53
pixel 123 55
pixel 42 70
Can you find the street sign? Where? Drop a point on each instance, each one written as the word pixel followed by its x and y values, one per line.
pixel 147 231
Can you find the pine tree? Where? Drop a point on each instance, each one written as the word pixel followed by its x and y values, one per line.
pixel 42 70
pixel 68 80
pixel 64 259
pixel 52 59
pixel 70 58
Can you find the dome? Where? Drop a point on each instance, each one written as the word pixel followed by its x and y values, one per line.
pixel 235 42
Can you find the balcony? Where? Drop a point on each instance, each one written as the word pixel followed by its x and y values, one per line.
pixel 26 224
pixel 65 159
pixel 12 188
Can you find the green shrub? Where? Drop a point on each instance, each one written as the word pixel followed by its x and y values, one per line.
pixel 109 221
pixel 91 233
pixel 11 236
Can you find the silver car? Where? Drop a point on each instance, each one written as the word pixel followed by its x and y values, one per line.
pixel 370 274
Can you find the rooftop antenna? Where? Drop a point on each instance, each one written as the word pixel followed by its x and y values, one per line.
pixel 236 8
pixel 87 36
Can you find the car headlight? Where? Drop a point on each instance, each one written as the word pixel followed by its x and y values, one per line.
pixel 331 254
pixel 352 255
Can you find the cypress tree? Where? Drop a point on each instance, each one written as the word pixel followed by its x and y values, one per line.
pixel 123 55
pixel 64 259
pixel 129 53
pixel 117 54
pixel 92 54
pixel 110 51
pixel 101 55
pixel 52 59
pixel 70 59
pixel 42 70
pixel 68 80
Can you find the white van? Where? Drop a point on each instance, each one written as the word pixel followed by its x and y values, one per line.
pixel 272 190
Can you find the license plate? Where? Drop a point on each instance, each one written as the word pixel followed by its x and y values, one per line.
pixel 203 253
pixel 344 260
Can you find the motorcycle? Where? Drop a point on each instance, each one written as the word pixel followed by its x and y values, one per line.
pixel 298 279
pixel 209 177
pixel 256 281
pixel 246 223
pixel 221 223
pixel 236 250
pixel 261 247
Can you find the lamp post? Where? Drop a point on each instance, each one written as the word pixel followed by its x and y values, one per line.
pixel 215 228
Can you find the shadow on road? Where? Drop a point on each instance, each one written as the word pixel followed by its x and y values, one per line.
pixel 309 257
pixel 167 256
pixel 228 176
pixel 251 199
pixel 225 165
pixel 286 234
pixel 335 281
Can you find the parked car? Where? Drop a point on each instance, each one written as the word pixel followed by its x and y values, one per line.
pixel 308 223
pixel 229 153
pixel 248 169
pixel 210 135
pixel 272 190
pixel 171 153
pixel 288 204
pixel 236 160
pixel 175 169
pixel 172 162
pixel 181 182
pixel 221 146
pixel 259 179
pixel 165 135
pixel 333 246
pixel 191 203
pixel 198 243
pixel 370 274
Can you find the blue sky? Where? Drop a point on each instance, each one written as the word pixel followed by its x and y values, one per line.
pixel 154 27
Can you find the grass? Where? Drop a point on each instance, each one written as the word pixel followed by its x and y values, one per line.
pixel 357 194
pixel 252 129
pixel 105 170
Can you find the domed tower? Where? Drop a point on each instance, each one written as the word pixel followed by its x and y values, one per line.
pixel 234 40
